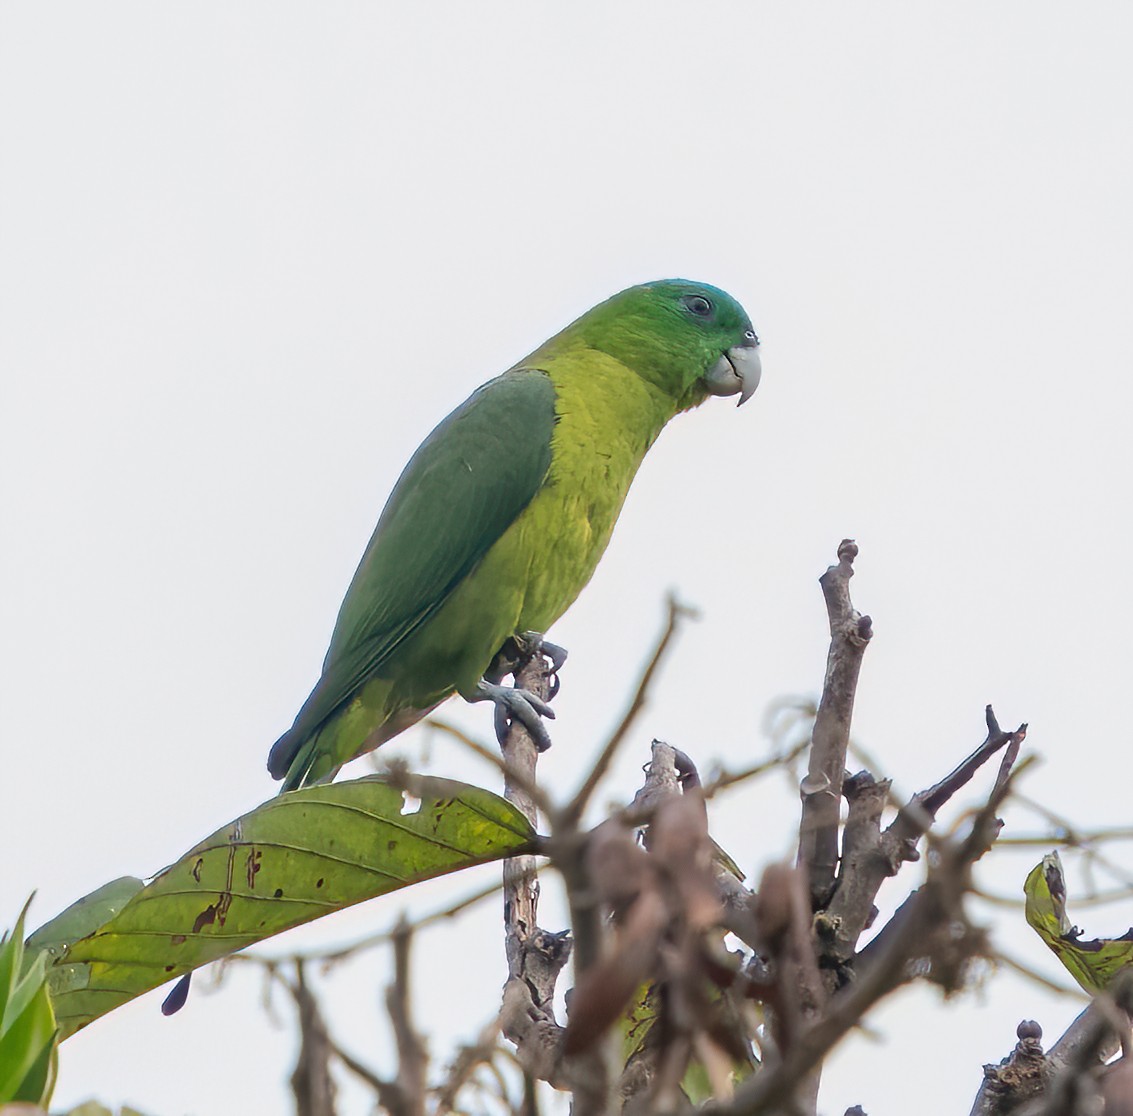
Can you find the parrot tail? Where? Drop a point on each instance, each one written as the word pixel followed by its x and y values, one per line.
pixel 290 759
pixel 282 753
pixel 300 761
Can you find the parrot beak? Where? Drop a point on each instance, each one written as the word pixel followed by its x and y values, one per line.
pixel 737 372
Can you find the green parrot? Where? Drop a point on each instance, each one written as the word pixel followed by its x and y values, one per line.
pixel 500 518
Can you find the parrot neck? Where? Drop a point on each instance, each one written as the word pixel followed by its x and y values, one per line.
pixel 672 377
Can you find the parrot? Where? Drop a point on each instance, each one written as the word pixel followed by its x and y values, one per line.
pixel 500 517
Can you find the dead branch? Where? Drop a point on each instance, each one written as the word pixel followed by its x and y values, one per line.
pixel 1075 1081
pixel 468 1059
pixel 870 856
pixel 311 1081
pixel 933 914
pixel 850 633
pixel 1020 1076
pixel 412 1058
pixel 535 957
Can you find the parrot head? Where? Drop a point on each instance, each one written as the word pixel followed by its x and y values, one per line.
pixel 691 340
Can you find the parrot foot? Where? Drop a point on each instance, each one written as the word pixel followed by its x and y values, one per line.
pixel 534 643
pixel 513 704
pixel 522 648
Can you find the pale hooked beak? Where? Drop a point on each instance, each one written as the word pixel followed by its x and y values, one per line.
pixel 737 372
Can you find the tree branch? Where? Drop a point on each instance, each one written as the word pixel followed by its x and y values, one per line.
pixel 850 633
pixel 535 957
pixel 311 1081
pixel 870 856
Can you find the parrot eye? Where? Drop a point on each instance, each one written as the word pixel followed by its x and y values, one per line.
pixel 698 305
pixel 750 336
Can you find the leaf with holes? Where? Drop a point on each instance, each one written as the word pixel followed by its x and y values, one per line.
pixel 296 858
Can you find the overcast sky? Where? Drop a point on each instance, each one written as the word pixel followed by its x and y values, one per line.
pixel 251 253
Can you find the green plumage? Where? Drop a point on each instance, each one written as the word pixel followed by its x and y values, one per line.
pixel 502 514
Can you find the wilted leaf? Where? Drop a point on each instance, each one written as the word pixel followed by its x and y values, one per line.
pixel 1093 962
pixel 294 859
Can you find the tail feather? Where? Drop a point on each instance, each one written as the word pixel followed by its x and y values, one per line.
pixel 301 763
pixel 283 753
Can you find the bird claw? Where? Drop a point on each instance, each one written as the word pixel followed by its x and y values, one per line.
pixel 522 648
pixel 513 704
pixel 533 643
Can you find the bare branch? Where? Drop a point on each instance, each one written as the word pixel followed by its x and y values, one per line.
pixel 870 856
pixel 728 779
pixel 850 633
pixel 535 957
pixel 1074 1063
pixel 412 1058
pixel 467 1059
pixel 311 1081
pixel 1020 1076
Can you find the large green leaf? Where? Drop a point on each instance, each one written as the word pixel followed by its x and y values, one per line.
pixel 83 917
pixel 295 858
pixel 1093 962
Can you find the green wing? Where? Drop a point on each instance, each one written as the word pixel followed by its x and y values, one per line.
pixel 462 489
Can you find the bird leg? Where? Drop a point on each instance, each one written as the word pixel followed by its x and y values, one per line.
pixel 513 703
pixel 518 705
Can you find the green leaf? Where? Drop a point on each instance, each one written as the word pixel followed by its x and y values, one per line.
pixel 83 917
pixel 27 1025
pixel 296 858
pixel 1093 962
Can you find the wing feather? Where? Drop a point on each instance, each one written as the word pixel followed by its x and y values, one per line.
pixel 462 489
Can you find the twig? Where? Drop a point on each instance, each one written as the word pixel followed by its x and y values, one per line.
pixel 388 1097
pixel 850 633
pixel 311 1081
pixel 677 613
pixel 412 1058
pixel 870 856
pixel 1018 902
pixel 936 796
pixel 1085 1031
pixel 517 774
pixel 930 911
pixel 1070 991
pixel 329 958
pixel 728 779
pixel 467 1059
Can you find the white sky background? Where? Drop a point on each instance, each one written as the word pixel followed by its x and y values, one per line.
pixel 251 254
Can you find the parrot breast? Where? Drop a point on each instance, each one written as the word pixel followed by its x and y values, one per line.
pixel 606 418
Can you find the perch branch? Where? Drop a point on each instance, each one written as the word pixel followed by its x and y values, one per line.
pixel 535 957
